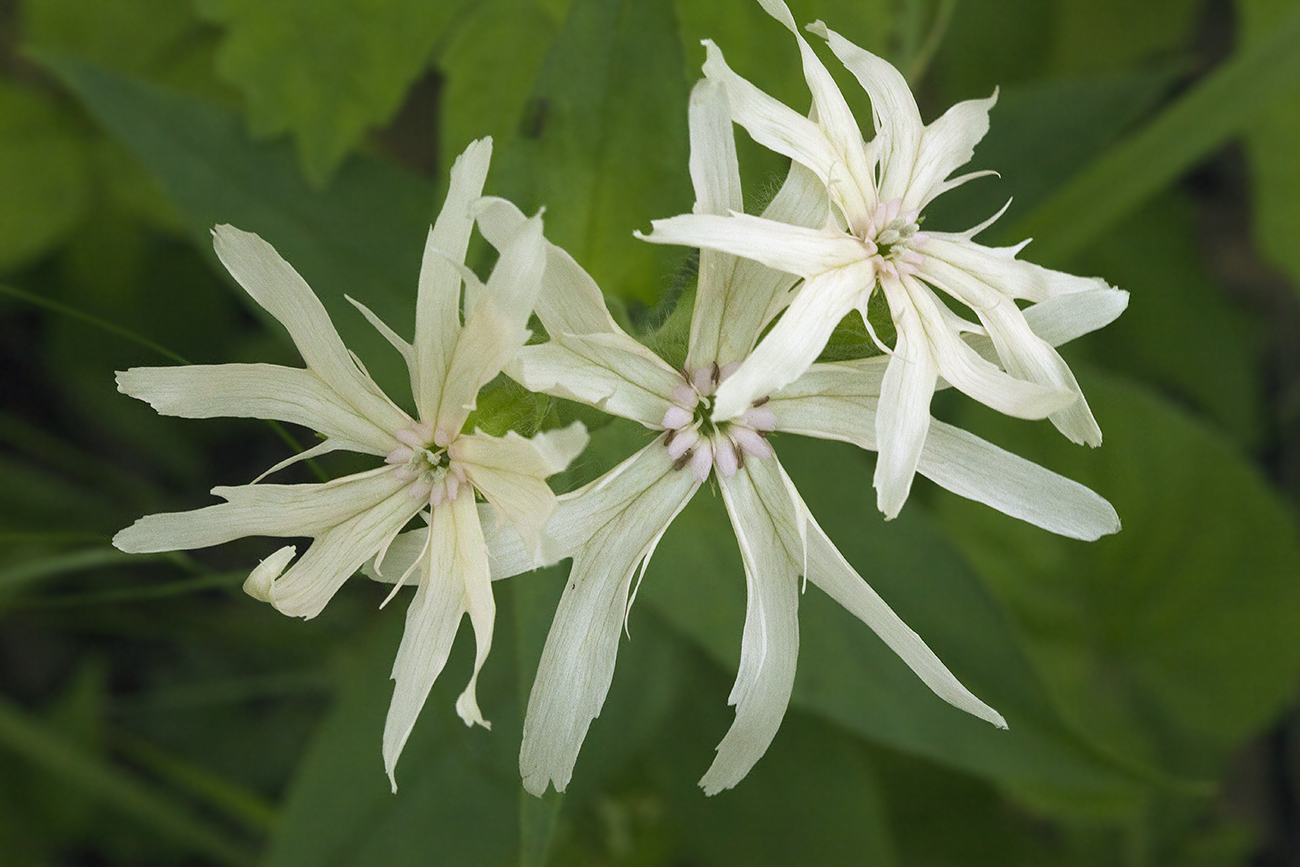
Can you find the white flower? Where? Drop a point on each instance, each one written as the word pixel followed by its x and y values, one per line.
pixel 428 461
pixel 870 239
pixel 613 524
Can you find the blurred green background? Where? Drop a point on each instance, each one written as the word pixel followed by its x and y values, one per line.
pixel 150 713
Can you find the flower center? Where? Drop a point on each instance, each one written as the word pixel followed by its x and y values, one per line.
pixel 694 440
pixel 425 459
pixel 895 239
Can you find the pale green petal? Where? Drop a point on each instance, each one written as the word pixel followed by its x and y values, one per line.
pixel 763 518
pixel 454 580
pixel 495 329
pixel 510 473
pixel 619 519
pixel 254 391
pixel 437 311
pixel 570 302
pixel 261 510
pixel 609 371
pixel 274 284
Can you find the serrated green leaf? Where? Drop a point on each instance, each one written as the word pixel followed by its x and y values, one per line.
pixel 603 142
pixel 326 70
pixel 1175 637
pixel 43 172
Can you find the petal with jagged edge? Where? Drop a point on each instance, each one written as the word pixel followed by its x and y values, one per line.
pixel 437 308
pixel 611 372
pixel 611 525
pixel 569 302
pixel 897 119
pixel 796 340
pixel 261 510
pixel 453 581
pixel 266 391
pixel 273 283
pixel 1000 269
pixel 771 549
pixel 495 329
pixel 946 145
pixel 510 473
pixel 828 569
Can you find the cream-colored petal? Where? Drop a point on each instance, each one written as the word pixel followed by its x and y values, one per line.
pixel 437 309
pixel 510 471
pixel 796 340
pixel 496 328
pixel 793 249
pixel 274 284
pixel 454 581
pixel 946 145
pixel 261 510
pixel 611 372
pixel 622 517
pixel 1000 269
pixel 254 391
pixel 903 418
pixel 828 569
pixel 570 302
pixel 772 551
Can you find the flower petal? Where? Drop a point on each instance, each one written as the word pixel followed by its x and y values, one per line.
pixel 274 284
pixel 772 551
pixel 437 309
pixel 454 581
pixel 496 327
pixel 793 249
pixel 611 372
pixel 261 510
pixel 796 340
pixel 903 419
pixel 254 391
pixel 946 145
pixel 828 569
pixel 621 518
pixel 510 471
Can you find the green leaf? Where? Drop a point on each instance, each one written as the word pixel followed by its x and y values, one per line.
pixel 1099 36
pixel 1182 331
pixel 1272 141
pixel 363 236
pixel 847 675
pixel 603 142
pixel 1176 637
pixel 43 172
pixel 1217 108
pixel 129 35
pixel 326 70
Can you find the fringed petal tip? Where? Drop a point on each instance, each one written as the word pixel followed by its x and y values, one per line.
pixel 260 583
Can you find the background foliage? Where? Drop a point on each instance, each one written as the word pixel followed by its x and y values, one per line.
pixel 152 714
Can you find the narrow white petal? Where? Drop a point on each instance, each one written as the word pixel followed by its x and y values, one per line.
pixel 771 123
pixel 946 145
pixel 274 284
pixel 261 510
pixel 793 249
pixel 1061 319
pixel 254 391
pixel 998 267
pixel 621 516
pixel 978 470
pixel 763 519
pixel 570 302
pixel 796 340
pixel 897 119
pixel 437 310
pixel 495 329
pixel 903 418
pixel 609 371
pixel 454 581
pixel 259 582
pixel 510 473
pixel 828 569
pixel 714 169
